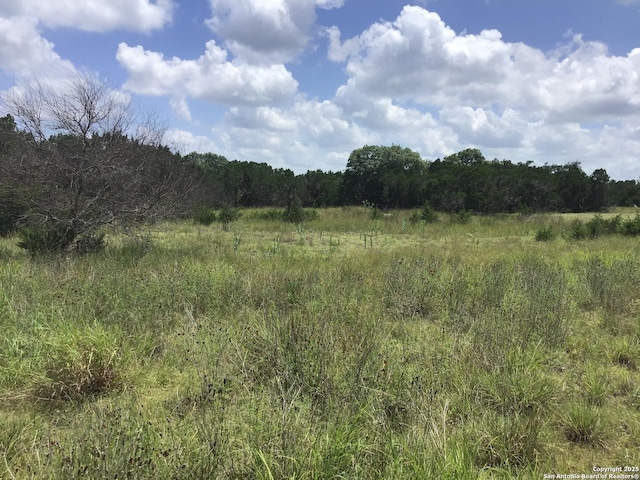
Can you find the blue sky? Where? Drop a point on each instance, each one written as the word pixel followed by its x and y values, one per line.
pixel 301 83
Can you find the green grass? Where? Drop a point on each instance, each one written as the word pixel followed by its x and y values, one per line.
pixel 344 347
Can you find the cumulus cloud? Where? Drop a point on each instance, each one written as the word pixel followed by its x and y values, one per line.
pixel 181 108
pixel 185 142
pixel 210 77
pixel 94 15
pixel 302 136
pixel 418 57
pixel 23 51
pixel 266 31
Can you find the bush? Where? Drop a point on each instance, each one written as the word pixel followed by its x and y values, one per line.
pixel 599 226
pixel 271 214
pixel 579 230
pixel 429 215
pixel 204 216
pixel 46 239
pixel 631 226
pixel 296 214
pixel 462 216
pixel 12 207
pixel 50 239
pixel 545 234
pixel 89 243
pixel 228 215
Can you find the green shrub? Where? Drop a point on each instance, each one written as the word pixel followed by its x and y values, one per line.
pixel 297 214
pixel 462 216
pixel 429 215
pixel 631 226
pixel 599 226
pixel 545 234
pixel 294 214
pixel 228 215
pixel 204 216
pixel 46 239
pixel 270 214
pixel 12 207
pixel 579 231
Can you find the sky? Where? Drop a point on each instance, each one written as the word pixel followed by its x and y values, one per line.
pixel 300 84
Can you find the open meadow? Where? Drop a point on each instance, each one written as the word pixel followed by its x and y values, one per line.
pixel 353 345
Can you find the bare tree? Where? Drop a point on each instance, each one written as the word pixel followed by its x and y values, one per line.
pixel 88 162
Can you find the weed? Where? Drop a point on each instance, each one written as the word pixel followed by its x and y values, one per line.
pixel 596 387
pixel 583 424
pixel 81 363
pixel 511 441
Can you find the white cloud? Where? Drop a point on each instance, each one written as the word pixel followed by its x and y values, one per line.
pixel 483 128
pixel 305 135
pixel 210 77
pixel 419 58
pixel 23 51
pixel 266 31
pixel 185 142
pixel 93 15
pixel 181 108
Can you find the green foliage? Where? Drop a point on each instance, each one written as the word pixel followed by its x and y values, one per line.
pixel 271 214
pixel 80 364
pixel 631 226
pixel 386 176
pixel 599 226
pixel 46 239
pixel 596 387
pixel 545 234
pixel 58 238
pixel 12 206
pixel 294 214
pixel 228 215
pixel 204 216
pixel 511 442
pixel 579 230
pixel 462 216
pixel 428 214
pixel 583 424
pixel 376 213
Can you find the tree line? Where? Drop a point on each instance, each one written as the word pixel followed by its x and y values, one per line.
pixel 76 159
pixel 396 177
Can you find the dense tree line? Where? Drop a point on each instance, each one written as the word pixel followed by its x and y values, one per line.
pixel 74 161
pixel 396 177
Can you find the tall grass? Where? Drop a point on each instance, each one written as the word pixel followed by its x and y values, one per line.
pixel 439 350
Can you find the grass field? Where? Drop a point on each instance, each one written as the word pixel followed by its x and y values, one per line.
pixel 344 347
